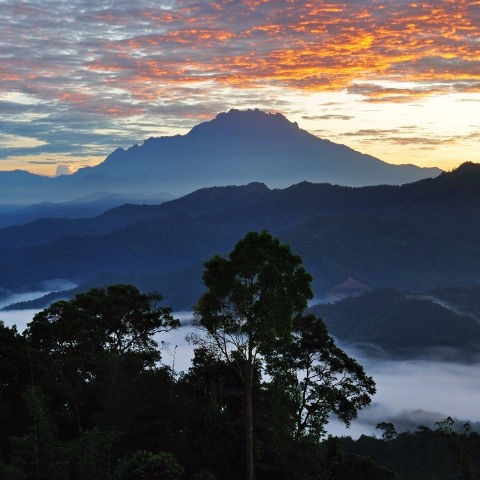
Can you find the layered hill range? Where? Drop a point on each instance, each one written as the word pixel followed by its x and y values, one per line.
pixel 413 237
pixel 235 148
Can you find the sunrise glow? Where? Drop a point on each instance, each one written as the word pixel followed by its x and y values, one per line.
pixel 399 80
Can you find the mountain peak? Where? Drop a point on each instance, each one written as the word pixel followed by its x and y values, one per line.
pixel 466 169
pixel 459 185
pixel 255 115
pixel 235 147
pixel 242 146
pixel 251 120
pixel 466 174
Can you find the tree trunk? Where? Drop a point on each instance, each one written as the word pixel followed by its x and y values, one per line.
pixel 249 420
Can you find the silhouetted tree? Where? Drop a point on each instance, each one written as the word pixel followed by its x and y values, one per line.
pixel 388 430
pixel 15 375
pixel 251 300
pixel 318 378
pixel 91 350
pixel 142 465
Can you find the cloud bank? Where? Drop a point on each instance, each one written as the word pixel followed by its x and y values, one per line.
pixel 73 71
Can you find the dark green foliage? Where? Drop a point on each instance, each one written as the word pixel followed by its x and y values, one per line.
pixel 290 458
pixel 11 472
pixel 204 476
pixel 15 375
pixel 458 446
pixel 400 323
pixel 84 395
pixel 39 450
pixel 341 466
pixel 252 314
pixel 441 454
pixel 211 421
pixel 388 430
pixel 248 309
pixel 253 295
pixel 94 349
pixel 97 362
pixel 90 454
pixel 317 378
pixel 142 465
pixel 117 320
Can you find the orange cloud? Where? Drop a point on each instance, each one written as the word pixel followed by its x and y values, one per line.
pixel 324 45
pixel 317 46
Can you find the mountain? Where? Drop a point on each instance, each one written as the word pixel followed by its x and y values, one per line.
pixel 462 300
pixel 246 146
pixel 20 187
pixel 89 206
pixel 401 324
pixel 413 237
pixel 237 147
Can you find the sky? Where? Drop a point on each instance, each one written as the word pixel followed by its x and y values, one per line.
pixel 399 80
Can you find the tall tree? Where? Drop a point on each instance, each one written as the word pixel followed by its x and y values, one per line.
pixel 93 348
pixel 318 378
pixel 14 376
pixel 249 306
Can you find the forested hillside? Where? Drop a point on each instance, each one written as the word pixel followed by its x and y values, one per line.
pixel 405 325
pixel 85 394
pixel 410 237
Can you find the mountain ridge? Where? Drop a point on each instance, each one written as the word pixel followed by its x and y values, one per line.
pixel 287 141
pixel 381 236
pixel 403 325
pixel 236 147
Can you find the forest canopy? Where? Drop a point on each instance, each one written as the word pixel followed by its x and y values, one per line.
pixel 84 393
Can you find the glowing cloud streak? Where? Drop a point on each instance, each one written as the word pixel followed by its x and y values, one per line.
pixel 123 60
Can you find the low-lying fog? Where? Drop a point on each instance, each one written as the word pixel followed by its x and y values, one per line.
pixel 409 392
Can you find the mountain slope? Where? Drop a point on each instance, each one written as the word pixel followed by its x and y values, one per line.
pixel 246 146
pixel 90 206
pixel 237 147
pixel 408 237
pixel 401 324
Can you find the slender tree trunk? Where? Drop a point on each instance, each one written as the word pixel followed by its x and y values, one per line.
pixel 249 420
pixel 35 430
pixel 37 462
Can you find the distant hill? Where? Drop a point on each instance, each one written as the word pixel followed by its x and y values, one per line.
pixel 234 148
pixel 414 237
pixel 402 325
pixel 89 206
pixel 463 300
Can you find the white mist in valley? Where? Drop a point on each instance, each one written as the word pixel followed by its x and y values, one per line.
pixel 410 393
pixel 20 318
pixel 20 297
